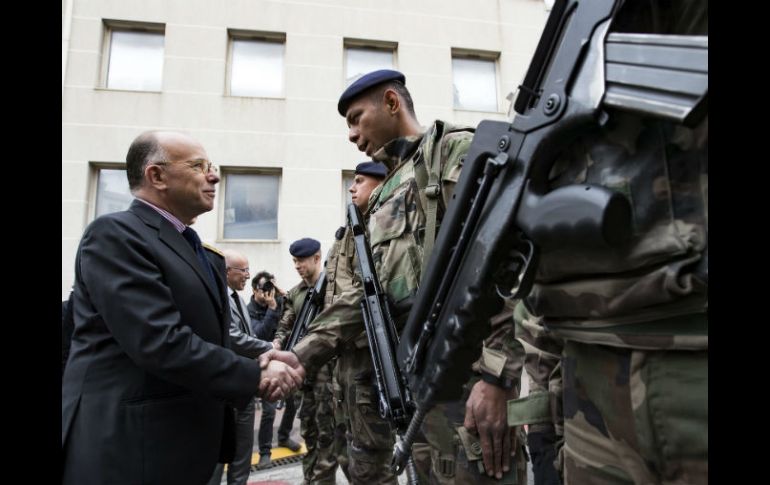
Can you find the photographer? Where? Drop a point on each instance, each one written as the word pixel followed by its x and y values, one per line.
pixel 265 307
pixel 265 310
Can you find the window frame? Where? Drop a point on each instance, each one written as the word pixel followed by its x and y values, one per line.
pixel 108 27
pixel 376 45
pixel 94 169
pixel 480 55
pixel 345 194
pixel 224 172
pixel 258 36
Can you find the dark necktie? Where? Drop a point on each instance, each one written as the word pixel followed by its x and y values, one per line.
pixel 192 237
pixel 244 322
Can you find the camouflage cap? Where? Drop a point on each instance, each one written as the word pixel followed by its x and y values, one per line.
pixel 365 82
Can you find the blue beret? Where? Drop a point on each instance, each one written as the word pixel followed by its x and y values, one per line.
pixel 373 169
pixel 302 248
pixel 365 82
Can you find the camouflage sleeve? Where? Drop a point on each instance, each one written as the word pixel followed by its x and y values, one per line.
pixel 287 318
pixel 542 361
pixel 502 355
pixel 340 322
pixel 454 146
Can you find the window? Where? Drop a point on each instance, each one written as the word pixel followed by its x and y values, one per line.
pixel 256 65
pixel 361 59
pixel 134 57
pixel 251 206
pixel 347 180
pixel 474 81
pixel 112 194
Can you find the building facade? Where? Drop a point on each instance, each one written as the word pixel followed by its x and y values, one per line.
pixel 257 83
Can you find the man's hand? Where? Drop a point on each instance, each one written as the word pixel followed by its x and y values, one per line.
pixel 486 415
pixel 277 344
pixel 278 289
pixel 270 299
pixel 289 358
pixel 279 380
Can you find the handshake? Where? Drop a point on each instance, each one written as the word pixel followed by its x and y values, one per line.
pixel 282 373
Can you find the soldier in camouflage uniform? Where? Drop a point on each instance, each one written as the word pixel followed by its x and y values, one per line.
pixel 403 213
pixel 370 441
pixel 634 319
pixel 318 426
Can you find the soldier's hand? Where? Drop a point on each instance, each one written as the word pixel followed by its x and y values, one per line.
pixel 277 344
pixel 288 358
pixel 279 380
pixel 486 416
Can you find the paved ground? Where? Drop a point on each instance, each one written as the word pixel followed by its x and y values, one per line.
pixel 292 474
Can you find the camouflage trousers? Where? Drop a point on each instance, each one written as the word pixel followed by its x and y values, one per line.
pixel 634 416
pixel 324 438
pixel 370 439
pixel 455 454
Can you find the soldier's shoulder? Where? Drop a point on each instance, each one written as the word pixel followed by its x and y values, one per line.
pixel 457 139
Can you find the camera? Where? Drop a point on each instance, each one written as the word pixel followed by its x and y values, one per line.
pixel 268 286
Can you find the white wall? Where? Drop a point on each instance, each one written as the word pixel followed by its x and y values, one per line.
pixel 302 133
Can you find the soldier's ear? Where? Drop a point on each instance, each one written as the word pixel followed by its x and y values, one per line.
pixel 392 101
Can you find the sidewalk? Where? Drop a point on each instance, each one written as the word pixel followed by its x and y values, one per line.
pixel 292 474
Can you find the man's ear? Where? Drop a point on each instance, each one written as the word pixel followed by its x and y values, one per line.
pixel 155 176
pixel 392 101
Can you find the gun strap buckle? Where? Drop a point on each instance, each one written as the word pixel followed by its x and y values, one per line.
pixel 433 191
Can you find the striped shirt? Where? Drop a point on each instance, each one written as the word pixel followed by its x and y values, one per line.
pixel 179 225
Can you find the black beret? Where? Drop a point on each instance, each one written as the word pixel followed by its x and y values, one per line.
pixel 302 248
pixel 365 82
pixel 373 169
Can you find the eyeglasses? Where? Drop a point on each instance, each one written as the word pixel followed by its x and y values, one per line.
pixel 242 270
pixel 200 166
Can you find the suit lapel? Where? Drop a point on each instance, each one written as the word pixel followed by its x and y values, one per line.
pixel 237 315
pixel 173 239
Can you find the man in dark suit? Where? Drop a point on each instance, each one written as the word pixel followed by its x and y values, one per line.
pixel 244 343
pixel 146 388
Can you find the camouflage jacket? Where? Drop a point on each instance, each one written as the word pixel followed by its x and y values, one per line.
pixel 543 365
pixel 652 292
pixel 396 225
pixel 292 305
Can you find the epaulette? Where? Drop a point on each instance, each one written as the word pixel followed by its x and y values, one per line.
pixel 340 233
pixel 212 249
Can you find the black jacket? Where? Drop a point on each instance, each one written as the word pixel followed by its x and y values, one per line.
pixel 144 391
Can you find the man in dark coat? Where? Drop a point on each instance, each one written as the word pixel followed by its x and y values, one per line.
pixel 145 392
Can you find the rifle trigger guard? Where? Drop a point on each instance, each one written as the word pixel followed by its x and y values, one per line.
pixel 526 260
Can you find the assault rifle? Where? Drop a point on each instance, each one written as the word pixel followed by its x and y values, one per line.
pixel 394 400
pixel 502 212
pixel 311 306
